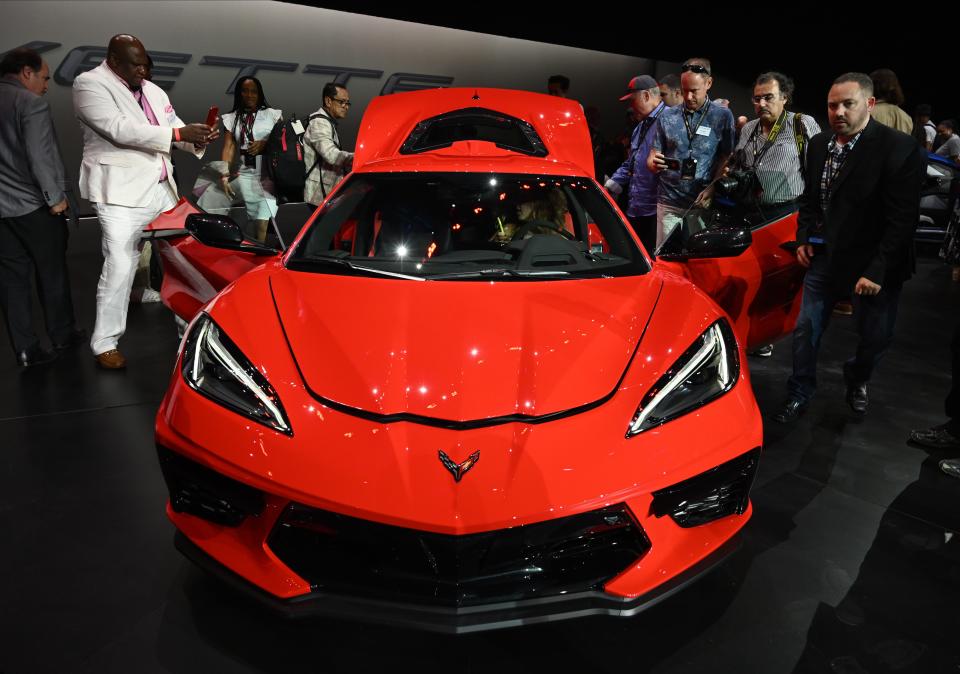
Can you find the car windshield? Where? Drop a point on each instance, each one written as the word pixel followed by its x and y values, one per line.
pixel 469 226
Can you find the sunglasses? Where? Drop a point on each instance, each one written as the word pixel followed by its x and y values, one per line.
pixel 694 68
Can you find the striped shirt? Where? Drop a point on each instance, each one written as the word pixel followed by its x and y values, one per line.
pixel 779 168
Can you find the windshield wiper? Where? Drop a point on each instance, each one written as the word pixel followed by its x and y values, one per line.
pixel 342 261
pixel 496 272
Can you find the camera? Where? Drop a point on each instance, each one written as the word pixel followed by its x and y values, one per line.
pixel 249 160
pixel 740 186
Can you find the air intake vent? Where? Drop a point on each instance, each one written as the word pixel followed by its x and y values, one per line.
pixel 494 127
pixel 721 491
pixel 198 490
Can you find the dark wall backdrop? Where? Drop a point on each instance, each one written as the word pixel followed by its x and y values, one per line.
pixel 810 43
pixel 200 48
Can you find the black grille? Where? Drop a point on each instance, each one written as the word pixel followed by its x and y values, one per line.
pixel 349 556
pixel 203 492
pixel 721 491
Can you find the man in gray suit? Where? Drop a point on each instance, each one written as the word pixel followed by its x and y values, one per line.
pixel 33 203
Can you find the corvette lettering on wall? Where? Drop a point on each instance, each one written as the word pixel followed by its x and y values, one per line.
pixel 83 58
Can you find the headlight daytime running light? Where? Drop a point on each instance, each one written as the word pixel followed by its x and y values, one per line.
pixel 214 366
pixel 705 371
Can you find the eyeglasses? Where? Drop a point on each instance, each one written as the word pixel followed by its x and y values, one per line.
pixel 345 102
pixel 769 98
pixel 694 68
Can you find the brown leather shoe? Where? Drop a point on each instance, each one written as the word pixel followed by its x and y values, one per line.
pixel 111 360
pixel 843 308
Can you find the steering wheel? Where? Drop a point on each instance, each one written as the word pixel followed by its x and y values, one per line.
pixel 526 227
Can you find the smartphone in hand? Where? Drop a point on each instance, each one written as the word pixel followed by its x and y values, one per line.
pixel 212 114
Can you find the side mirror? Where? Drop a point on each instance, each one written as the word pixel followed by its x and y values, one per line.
pixel 720 242
pixel 220 231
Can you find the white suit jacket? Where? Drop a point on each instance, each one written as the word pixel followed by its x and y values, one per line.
pixel 123 153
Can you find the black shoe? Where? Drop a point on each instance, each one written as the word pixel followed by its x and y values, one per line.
pixel 762 352
pixel 937 437
pixel 75 338
pixel 35 355
pixel 790 410
pixel 856 393
pixel 951 467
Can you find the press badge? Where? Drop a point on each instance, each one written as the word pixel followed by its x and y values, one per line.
pixel 297 127
pixel 703 131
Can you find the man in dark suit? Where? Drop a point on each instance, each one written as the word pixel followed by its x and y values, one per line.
pixel 855 228
pixel 33 201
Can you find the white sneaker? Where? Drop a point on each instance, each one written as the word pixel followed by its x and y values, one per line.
pixel 149 295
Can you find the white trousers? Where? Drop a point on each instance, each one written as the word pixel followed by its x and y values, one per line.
pixel 121 228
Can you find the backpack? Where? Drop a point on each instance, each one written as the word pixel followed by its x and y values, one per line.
pixel 284 159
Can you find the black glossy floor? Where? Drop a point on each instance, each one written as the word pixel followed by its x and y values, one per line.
pixel 851 563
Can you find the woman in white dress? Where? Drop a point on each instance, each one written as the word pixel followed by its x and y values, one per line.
pixel 248 127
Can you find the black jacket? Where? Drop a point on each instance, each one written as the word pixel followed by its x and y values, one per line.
pixel 873 210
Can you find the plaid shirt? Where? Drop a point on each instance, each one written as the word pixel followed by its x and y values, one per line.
pixel 836 155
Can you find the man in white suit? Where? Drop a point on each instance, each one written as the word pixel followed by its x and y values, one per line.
pixel 128 128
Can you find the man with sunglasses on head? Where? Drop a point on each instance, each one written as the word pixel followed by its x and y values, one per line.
pixel 327 163
pixel 690 147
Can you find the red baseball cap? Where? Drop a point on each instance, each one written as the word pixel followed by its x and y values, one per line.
pixel 639 83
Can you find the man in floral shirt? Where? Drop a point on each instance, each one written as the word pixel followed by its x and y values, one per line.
pixel 690 147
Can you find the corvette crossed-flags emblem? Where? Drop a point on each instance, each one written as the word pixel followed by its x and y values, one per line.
pixel 459 470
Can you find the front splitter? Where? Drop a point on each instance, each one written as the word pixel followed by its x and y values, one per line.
pixel 462 620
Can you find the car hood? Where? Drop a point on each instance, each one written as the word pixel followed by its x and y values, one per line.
pixel 460 351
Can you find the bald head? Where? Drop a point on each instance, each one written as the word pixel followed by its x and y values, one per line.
pixel 127 57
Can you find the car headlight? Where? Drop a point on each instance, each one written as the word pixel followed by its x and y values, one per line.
pixel 705 371
pixel 214 367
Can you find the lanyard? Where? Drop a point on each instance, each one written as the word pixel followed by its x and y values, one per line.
pixel 246 126
pixel 644 129
pixel 643 132
pixel 650 120
pixel 758 154
pixel 693 132
pixel 836 163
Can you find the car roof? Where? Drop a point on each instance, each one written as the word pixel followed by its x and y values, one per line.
pixel 559 131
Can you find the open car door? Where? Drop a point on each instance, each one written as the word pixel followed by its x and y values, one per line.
pixel 760 288
pixel 193 272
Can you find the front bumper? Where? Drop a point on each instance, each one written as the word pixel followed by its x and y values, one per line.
pixel 457 620
pixel 319 563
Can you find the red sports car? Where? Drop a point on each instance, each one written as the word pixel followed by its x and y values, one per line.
pixel 464 398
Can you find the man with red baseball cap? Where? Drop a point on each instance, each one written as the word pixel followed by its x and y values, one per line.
pixel 643 92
